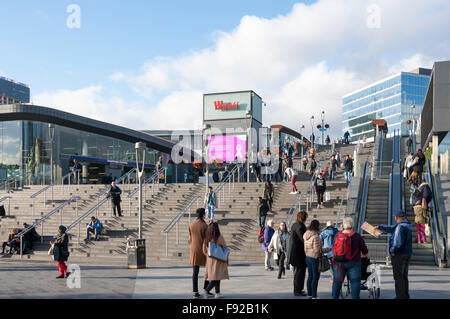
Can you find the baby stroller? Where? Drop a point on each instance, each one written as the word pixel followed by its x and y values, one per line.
pixel 372 287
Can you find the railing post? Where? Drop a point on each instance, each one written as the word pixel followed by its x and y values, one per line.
pixel 165 176
pixel 9 206
pixel 167 243
pixel 21 246
pixel 32 204
pixel 42 232
pixel 60 215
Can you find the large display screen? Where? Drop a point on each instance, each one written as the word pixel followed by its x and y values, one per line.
pixel 227 147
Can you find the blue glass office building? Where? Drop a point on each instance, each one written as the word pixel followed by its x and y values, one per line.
pixel 390 99
pixel 13 92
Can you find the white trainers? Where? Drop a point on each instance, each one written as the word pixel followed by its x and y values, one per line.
pixel 219 296
pixel 291 193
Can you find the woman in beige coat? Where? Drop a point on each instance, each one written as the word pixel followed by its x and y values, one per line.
pixel 215 270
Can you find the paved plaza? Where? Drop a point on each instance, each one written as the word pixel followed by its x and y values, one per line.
pixel 27 279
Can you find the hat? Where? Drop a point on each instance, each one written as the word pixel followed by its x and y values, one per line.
pixel 399 213
pixel 62 228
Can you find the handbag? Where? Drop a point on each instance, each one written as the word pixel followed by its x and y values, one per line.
pixel 50 251
pixel 427 230
pixel 327 196
pixel 218 252
pixel 324 264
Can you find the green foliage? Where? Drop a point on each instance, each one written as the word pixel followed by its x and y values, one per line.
pixel 427 154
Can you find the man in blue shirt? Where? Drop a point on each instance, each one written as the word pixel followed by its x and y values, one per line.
pixel 95 226
pixel 327 236
pixel 400 248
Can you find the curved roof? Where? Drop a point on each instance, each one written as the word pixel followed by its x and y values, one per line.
pixel 27 112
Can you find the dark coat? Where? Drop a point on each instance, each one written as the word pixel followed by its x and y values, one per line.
pixel 114 193
pixel 262 208
pixel 297 256
pixel 61 249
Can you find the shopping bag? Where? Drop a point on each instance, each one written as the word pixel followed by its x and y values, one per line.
pixel 327 196
pixel 427 230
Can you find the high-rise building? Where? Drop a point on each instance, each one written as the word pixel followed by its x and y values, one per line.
pixel 396 99
pixel 12 92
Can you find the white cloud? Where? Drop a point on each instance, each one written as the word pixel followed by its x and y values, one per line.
pixel 300 63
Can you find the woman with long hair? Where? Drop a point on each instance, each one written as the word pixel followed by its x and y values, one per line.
pixel 215 269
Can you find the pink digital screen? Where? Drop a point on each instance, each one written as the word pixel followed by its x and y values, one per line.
pixel 226 147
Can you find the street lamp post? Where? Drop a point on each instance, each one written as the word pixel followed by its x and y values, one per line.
pixel 51 134
pixel 140 172
pixel 322 117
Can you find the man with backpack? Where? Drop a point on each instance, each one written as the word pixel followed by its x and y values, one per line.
pixel 400 248
pixel 347 249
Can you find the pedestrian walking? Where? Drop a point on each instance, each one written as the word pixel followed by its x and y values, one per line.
pixel 304 162
pixel 114 194
pixel 197 233
pixel 327 237
pixel 327 140
pixel 407 165
pixel 210 202
pixel 262 210
pixel 61 251
pixel 422 197
pixel 333 168
pixel 409 143
pixel 76 169
pixel 292 174
pixel 296 253
pixel 346 137
pixel 312 167
pixel 268 233
pixel 312 153
pixel 347 249
pixel 279 245
pixel 418 163
pixel 268 194
pixel 321 186
pixel 216 269
pixel 400 249
pixel 313 250
pixel 348 169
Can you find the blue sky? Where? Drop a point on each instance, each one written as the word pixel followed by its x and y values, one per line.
pixel 114 35
pixel 146 64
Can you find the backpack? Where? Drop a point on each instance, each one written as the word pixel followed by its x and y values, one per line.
pixel 342 249
pixel 261 235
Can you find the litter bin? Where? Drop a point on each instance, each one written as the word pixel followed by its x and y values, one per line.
pixel 136 253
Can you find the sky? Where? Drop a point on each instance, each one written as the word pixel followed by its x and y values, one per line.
pixel 145 64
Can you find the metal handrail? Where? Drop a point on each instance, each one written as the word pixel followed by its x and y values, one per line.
pixel 339 211
pixel 86 214
pixel 117 181
pixel 438 238
pixel 362 199
pixel 297 199
pixel 147 181
pixel 10 180
pixel 42 220
pixel 51 185
pixel 195 198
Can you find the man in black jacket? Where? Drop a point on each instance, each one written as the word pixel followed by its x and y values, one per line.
pixel 114 193
pixel 348 169
pixel 262 211
pixel 334 165
pixel 296 251
pixel 320 186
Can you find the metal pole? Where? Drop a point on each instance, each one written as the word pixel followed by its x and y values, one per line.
pixel 42 232
pixel 21 247
pixel 167 248
pixel 9 206
pixel 60 216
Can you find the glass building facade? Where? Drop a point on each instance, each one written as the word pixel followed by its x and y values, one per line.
pixel 391 99
pixel 27 147
pixel 13 92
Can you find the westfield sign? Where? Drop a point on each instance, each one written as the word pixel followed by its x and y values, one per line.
pixel 218 105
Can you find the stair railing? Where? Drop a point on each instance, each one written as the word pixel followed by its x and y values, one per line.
pixel 41 221
pixel 438 236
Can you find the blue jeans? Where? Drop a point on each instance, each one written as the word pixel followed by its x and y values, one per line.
pixel 348 176
pixel 211 212
pixel 353 270
pixel 313 276
pixel 332 175
pixel 262 221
